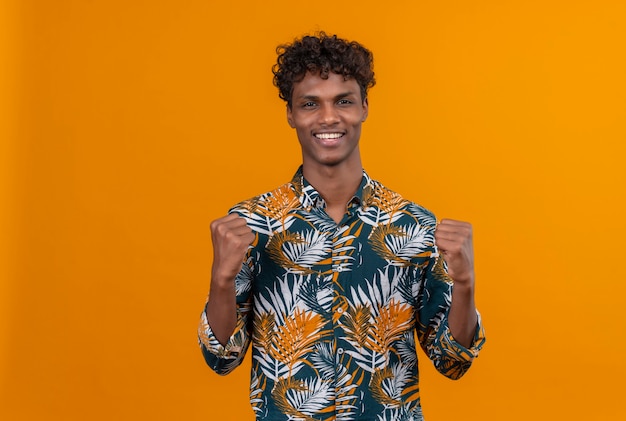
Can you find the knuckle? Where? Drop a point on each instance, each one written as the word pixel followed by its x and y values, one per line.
pixel 230 236
pixel 221 230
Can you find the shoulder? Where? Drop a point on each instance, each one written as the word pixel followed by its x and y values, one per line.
pixel 280 197
pixel 270 212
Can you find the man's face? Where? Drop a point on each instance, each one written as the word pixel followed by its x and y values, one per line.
pixel 327 115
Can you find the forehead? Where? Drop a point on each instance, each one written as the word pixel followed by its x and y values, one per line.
pixel 312 85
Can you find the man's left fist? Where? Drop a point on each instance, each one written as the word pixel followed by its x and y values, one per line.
pixel 454 241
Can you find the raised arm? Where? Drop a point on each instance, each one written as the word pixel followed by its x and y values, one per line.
pixel 231 237
pixel 454 241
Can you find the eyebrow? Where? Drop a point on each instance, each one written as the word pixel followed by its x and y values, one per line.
pixel 338 96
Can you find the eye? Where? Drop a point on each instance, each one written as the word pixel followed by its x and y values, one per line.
pixel 308 104
pixel 344 102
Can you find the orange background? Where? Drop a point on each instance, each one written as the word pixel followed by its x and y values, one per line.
pixel 127 126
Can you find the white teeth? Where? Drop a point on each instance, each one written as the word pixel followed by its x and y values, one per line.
pixel 328 135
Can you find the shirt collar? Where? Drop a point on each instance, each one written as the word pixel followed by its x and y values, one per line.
pixel 310 198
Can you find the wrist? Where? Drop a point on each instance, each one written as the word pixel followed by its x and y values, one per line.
pixel 222 280
pixel 464 288
pixel 466 279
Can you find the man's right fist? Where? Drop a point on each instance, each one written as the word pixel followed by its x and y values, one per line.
pixel 231 237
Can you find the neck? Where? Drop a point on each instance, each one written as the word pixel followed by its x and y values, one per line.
pixel 336 184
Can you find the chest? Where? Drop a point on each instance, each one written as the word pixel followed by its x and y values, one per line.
pixel 318 264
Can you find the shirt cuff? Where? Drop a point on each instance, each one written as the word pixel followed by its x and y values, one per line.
pixel 464 353
pixel 210 343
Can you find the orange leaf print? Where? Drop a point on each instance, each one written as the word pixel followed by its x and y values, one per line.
pixel 296 337
pixel 392 321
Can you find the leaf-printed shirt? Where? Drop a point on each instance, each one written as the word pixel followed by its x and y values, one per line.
pixel 334 312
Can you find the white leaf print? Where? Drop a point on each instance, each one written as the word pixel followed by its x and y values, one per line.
pixel 281 301
pixel 320 220
pixel 415 240
pixel 264 224
pixel 394 385
pixel 310 252
pixel 367 359
pixel 407 349
pixel 374 216
pixel 316 396
pixel 324 360
pixel 424 216
pixel 271 367
pixel 243 281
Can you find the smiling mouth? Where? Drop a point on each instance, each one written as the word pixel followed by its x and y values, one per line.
pixel 328 136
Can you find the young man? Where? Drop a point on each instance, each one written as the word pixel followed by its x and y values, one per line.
pixel 332 276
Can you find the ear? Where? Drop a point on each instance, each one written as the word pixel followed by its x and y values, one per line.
pixel 365 109
pixel 290 117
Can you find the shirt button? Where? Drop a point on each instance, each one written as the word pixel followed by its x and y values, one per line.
pixel 339 351
pixel 340 310
pixel 339 269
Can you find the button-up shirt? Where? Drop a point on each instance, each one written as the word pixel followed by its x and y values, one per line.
pixel 334 312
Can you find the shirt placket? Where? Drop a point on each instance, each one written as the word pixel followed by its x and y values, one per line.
pixel 341 279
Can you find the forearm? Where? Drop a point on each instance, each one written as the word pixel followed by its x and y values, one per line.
pixel 221 310
pixel 231 238
pixel 462 318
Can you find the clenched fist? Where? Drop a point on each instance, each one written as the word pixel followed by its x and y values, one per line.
pixel 231 237
pixel 454 241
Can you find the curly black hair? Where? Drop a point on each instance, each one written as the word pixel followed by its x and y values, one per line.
pixel 322 54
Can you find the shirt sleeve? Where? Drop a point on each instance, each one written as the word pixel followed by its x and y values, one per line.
pixel 449 357
pixel 224 359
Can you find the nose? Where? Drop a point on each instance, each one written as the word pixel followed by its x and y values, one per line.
pixel 328 115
